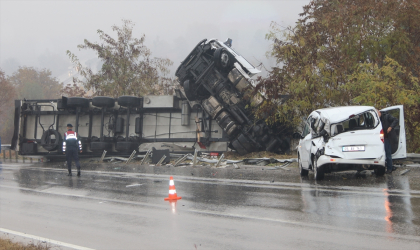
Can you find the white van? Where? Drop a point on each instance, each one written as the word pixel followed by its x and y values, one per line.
pixel 348 138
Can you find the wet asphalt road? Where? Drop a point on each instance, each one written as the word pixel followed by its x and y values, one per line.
pixel 125 210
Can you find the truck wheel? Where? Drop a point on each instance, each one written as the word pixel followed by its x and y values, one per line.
pixel 246 143
pixel 379 171
pixel 77 102
pixel 222 59
pixel 127 100
pixel 103 101
pixel 49 143
pixel 239 148
pixel 98 146
pixel 318 172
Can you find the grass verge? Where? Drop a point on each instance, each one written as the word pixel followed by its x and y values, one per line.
pixel 7 244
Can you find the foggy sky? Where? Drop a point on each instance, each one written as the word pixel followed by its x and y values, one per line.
pixel 38 33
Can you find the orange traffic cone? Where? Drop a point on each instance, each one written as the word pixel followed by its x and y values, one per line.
pixel 172 191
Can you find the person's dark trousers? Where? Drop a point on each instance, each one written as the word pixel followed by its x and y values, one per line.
pixel 72 154
pixel 388 154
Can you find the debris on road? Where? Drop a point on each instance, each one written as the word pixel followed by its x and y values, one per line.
pixel 405 171
pixel 202 159
pixel 133 185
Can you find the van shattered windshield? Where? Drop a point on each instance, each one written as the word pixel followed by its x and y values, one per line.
pixel 365 120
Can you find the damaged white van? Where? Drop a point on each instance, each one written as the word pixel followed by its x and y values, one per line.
pixel 348 138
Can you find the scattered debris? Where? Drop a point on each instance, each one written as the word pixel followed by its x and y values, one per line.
pixel 405 171
pixel 284 167
pixel 363 172
pixel 133 185
pixel 183 160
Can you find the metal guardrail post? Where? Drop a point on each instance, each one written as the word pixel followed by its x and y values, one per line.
pixel 145 157
pixel 220 160
pixel 161 160
pixel 195 158
pixel 181 160
pixel 16 155
pixel 131 157
pixel 103 156
pixel 10 154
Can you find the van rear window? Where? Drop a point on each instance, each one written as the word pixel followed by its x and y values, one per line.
pixel 366 120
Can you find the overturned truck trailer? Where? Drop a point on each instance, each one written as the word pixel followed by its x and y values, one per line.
pixel 118 126
pixel 218 79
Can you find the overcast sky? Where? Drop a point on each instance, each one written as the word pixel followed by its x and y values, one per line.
pixel 38 33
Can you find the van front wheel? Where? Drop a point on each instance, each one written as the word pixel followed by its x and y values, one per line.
pixel 302 171
pixel 318 171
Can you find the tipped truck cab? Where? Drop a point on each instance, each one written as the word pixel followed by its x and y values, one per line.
pixel 347 138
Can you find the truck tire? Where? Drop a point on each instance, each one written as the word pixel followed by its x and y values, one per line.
pixel 222 59
pixel 126 146
pixel 46 141
pixel 98 146
pixel 239 148
pixel 77 102
pixel 127 100
pixel 103 101
pixel 246 143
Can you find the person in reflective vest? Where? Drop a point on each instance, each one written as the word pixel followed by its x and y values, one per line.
pixel 71 147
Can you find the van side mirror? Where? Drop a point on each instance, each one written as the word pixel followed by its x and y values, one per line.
pixel 297 135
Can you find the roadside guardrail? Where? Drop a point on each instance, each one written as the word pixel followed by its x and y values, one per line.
pixel 7 148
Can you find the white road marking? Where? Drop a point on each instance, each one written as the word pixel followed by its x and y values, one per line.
pixel 34 237
pixel 133 185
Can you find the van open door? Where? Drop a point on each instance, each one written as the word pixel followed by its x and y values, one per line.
pixel 398 146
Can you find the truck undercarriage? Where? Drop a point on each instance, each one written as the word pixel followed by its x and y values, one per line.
pixel 218 79
pixel 118 126
pixel 214 110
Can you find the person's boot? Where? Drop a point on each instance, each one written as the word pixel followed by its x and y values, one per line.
pixel 69 174
pixel 78 173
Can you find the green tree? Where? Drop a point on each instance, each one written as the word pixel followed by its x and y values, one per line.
pixel 128 67
pixel 388 86
pixel 334 40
